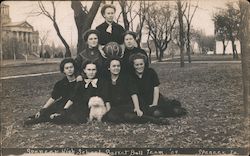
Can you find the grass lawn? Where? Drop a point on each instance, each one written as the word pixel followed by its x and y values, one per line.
pixel 212 94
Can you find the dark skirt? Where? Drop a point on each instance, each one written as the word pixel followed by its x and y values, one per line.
pixel 67 116
pixel 165 108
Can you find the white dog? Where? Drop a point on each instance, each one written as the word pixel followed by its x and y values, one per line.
pixel 97 108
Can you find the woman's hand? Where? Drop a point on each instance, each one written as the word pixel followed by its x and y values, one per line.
pixel 79 78
pixel 108 106
pixel 138 112
pixel 152 105
pixel 37 114
pixel 52 116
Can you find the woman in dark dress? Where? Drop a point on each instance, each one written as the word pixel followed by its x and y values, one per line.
pixel 130 48
pixel 90 53
pixel 151 100
pixel 110 31
pixel 89 87
pixel 122 93
pixel 63 90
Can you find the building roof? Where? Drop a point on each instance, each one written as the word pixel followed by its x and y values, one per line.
pixel 20 24
pixel 4 5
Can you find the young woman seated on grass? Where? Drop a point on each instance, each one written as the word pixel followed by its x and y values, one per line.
pixel 152 101
pixel 57 104
pixel 90 86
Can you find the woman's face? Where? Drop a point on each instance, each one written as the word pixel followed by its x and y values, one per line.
pixel 129 41
pixel 139 66
pixel 90 71
pixel 109 14
pixel 115 67
pixel 68 69
pixel 92 40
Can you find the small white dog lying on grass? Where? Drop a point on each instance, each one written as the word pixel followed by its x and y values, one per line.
pixel 97 108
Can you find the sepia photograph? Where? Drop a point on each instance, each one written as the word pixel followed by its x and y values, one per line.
pixel 123 77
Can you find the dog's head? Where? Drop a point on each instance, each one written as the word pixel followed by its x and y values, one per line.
pixel 96 101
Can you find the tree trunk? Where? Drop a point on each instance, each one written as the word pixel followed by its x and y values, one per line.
pixel 224 47
pixel 124 14
pixel 83 20
pixel 157 53
pixel 181 32
pixel 245 59
pixel 161 54
pixel 234 55
pixel 150 50
pixel 67 50
pixel 188 44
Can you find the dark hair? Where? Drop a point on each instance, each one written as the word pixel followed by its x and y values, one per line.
pixel 109 60
pixel 137 56
pixel 130 33
pixel 107 6
pixel 67 60
pixel 86 34
pixel 84 64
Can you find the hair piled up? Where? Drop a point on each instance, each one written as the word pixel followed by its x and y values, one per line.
pixel 107 6
pixel 86 34
pixel 137 56
pixel 129 33
pixel 64 61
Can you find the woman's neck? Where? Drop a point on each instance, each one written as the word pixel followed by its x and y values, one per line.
pixel 114 77
pixel 108 22
pixel 139 74
pixel 71 78
pixel 91 47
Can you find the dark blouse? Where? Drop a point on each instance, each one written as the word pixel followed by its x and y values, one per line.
pixel 126 66
pixel 106 37
pixel 122 90
pixel 63 89
pixel 89 54
pixel 146 85
pixel 83 94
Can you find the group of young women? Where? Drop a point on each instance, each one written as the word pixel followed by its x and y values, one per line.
pixel 122 78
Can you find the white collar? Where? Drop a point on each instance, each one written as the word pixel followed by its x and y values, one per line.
pixel 92 81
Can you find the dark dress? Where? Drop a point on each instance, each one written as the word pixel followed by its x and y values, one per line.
pixel 89 55
pixel 127 68
pixel 115 36
pixel 62 92
pixel 166 107
pixel 120 98
pixel 82 96
pixel 146 84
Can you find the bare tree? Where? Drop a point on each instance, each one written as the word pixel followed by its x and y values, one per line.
pixel 83 19
pixel 189 17
pixel 143 8
pixel 43 39
pixel 181 32
pixel 160 22
pixel 244 8
pixel 52 16
pixel 149 48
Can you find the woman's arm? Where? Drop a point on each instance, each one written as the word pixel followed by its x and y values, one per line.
pixel 49 103
pixel 155 96
pixel 136 105
pixel 68 104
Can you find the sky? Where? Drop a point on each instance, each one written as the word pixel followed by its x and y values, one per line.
pixel 20 11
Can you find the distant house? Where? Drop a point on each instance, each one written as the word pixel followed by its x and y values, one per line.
pixel 24 35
